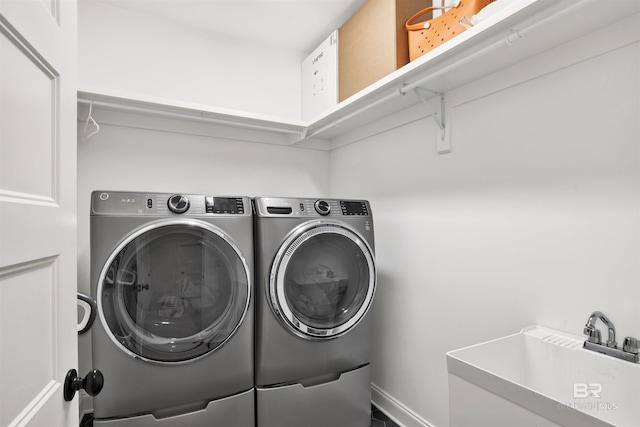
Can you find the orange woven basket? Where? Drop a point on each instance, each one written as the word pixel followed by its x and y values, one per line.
pixel 427 35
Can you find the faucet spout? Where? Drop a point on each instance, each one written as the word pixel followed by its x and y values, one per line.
pixel 594 334
pixel 630 351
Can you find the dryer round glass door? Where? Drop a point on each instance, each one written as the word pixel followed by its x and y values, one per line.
pixel 173 291
pixel 322 280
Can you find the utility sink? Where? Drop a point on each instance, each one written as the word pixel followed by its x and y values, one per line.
pixel 541 377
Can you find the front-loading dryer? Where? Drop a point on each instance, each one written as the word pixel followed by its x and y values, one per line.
pixel 172 276
pixel 315 282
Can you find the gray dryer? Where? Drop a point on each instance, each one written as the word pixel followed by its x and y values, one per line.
pixel 315 282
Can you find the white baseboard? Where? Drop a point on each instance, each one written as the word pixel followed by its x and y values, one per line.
pixel 395 410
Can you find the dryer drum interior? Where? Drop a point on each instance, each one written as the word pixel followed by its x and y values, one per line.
pixel 172 293
pixel 323 280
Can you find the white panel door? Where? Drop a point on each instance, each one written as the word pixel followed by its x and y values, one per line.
pixel 38 335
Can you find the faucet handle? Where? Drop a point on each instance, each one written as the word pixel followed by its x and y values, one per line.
pixel 593 334
pixel 631 345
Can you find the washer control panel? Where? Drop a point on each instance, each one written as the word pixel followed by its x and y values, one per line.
pixel 164 204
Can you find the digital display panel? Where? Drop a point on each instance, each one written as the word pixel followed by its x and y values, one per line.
pixel 353 208
pixel 222 205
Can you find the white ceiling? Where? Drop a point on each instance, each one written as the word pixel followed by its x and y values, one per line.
pixel 300 25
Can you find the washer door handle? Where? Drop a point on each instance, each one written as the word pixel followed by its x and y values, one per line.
pixel 89 308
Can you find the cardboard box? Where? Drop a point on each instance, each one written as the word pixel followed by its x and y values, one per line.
pixel 373 43
pixel 320 78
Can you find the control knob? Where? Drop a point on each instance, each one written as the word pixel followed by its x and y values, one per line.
pixel 178 204
pixel 322 207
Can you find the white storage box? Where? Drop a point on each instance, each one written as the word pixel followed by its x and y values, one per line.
pixel 320 78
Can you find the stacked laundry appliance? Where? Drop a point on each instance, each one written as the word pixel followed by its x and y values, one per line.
pixel 172 276
pixel 315 282
pixel 177 338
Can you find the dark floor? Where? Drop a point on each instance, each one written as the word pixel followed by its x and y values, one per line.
pixel 379 419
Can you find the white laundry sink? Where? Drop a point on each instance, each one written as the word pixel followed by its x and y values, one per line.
pixel 541 377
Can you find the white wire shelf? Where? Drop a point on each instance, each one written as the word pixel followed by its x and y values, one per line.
pixel 521 30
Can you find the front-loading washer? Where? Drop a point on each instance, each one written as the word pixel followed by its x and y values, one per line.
pixel 315 282
pixel 172 276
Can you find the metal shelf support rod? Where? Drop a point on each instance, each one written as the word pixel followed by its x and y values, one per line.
pixel 432 113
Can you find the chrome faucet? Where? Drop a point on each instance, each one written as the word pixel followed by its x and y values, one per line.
pixel 594 334
pixel 629 350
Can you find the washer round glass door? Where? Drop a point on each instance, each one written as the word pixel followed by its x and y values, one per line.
pixel 173 291
pixel 322 280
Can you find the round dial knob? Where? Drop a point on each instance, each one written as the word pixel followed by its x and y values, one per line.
pixel 322 207
pixel 178 204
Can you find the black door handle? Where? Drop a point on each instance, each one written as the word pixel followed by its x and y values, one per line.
pixel 92 383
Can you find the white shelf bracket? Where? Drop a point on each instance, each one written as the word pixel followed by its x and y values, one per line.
pixel 443 145
pixel 303 134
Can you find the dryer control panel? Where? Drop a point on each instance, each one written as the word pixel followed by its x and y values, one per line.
pixel 281 207
pixel 167 204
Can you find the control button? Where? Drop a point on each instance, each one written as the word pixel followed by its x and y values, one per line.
pixel 178 204
pixel 208 204
pixel 322 207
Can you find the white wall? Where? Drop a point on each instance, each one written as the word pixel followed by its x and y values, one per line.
pixel 133 52
pixel 533 219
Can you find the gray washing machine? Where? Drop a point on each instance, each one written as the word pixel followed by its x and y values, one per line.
pixel 315 282
pixel 172 276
